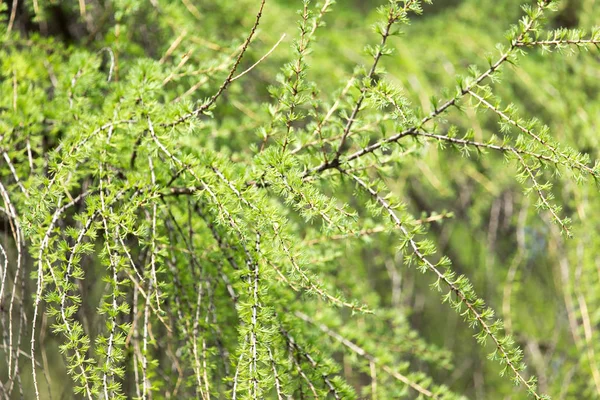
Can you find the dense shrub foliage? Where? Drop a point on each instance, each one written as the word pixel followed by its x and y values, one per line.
pixel 240 199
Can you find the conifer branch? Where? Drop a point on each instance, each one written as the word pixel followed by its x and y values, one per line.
pixel 377 229
pixel 208 103
pixel 202 384
pixel 315 287
pixel 540 189
pixel 294 84
pixel 560 42
pixel 108 365
pixel 14 172
pixel 561 38
pixel 254 280
pixel 17 234
pixel 318 130
pixel 146 383
pixel 60 209
pixel 306 281
pixel 276 376
pixel 394 15
pixel 154 278
pixel 476 313
pixel 574 163
pixel 529 24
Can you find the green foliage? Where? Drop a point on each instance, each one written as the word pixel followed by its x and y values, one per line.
pixel 196 205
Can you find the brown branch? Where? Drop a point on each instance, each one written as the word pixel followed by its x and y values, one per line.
pixel 227 80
